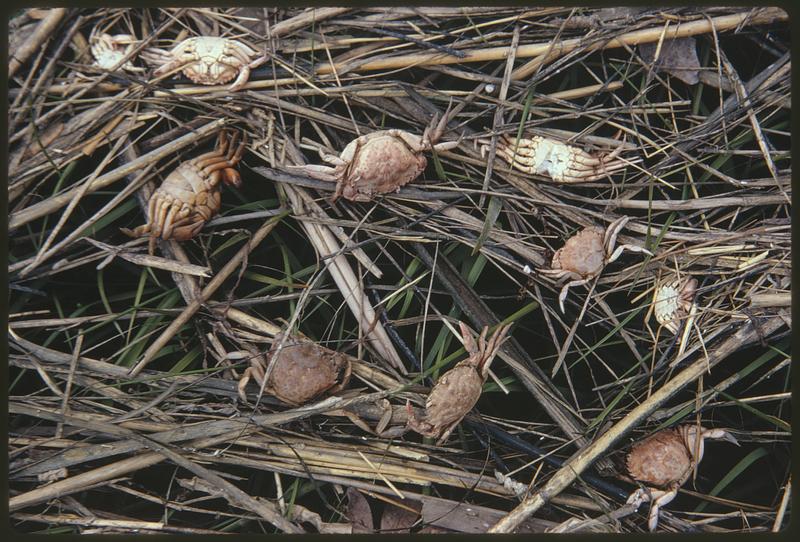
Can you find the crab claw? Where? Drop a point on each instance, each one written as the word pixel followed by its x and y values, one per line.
pixel 436 129
pixel 720 434
pixel 730 438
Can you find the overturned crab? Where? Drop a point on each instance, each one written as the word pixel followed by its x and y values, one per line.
pixel 457 391
pixel 302 371
pixel 561 162
pixel 109 50
pixel 208 60
pixel 586 253
pixel 380 162
pixel 673 302
pixel 190 196
pixel 664 461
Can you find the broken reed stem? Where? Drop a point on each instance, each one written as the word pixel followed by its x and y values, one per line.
pixel 54 203
pixel 139 527
pixel 584 458
pixel 647 35
pixel 44 255
pixel 207 292
pixel 232 493
pixel 82 191
pixel 198 436
pixel 325 243
pixel 308 17
pixel 43 31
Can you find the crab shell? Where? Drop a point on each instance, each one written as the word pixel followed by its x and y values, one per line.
pixel 666 459
pixel 661 459
pixel 191 194
pixel 305 370
pixel 457 391
pixel 109 50
pixel 583 254
pixel 453 396
pixel 561 162
pixel 380 163
pixel 207 60
pixel 673 301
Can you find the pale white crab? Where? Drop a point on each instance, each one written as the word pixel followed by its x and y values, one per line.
pixel 109 50
pixel 664 461
pixel 561 162
pixel 208 60
pixel 673 301
pixel 586 253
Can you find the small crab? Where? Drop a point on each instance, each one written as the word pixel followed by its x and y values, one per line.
pixel 190 195
pixel 457 391
pixel 586 253
pixel 380 162
pixel 664 461
pixel 561 162
pixel 673 302
pixel 208 60
pixel 109 50
pixel 303 370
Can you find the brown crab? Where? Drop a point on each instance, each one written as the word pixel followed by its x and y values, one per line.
pixel 380 162
pixel 664 461
pixel 457 391
pixel 561 162
pixel 208 60
pixel 673 302
pixel 303 370
pixel 190 196
pixel 586 253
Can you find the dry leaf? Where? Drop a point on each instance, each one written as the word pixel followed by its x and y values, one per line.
pixel 359 512
pixel 677 57
pixel 397 520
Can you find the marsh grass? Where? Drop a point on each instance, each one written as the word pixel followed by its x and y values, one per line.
pixel 171 448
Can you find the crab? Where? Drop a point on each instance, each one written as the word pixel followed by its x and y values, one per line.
pixel 673 301
pixel 191 195
pixel 208 60
pixel 302 371
pixel 586 253
pixel 109 50
pixel 664 461
pixel 380 162
pixel 457 391
pixel 561 162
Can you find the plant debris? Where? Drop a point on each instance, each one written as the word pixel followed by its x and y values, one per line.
pixel 473 149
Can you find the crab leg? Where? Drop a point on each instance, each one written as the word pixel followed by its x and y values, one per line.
pixel 161 216
pixel 231 177
pixel 331 158
pixel 563 295
pixel 322 173
pixel 632 248
pixel 489 350
pixel 435 130
pixel 612 231
pixel 467 340
pixel 250 372
pixel 184 233
pixel 138 231
pixel 446 434
pixel 656 498
pixel 661 499
pixel 241 79
pixel 168 224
